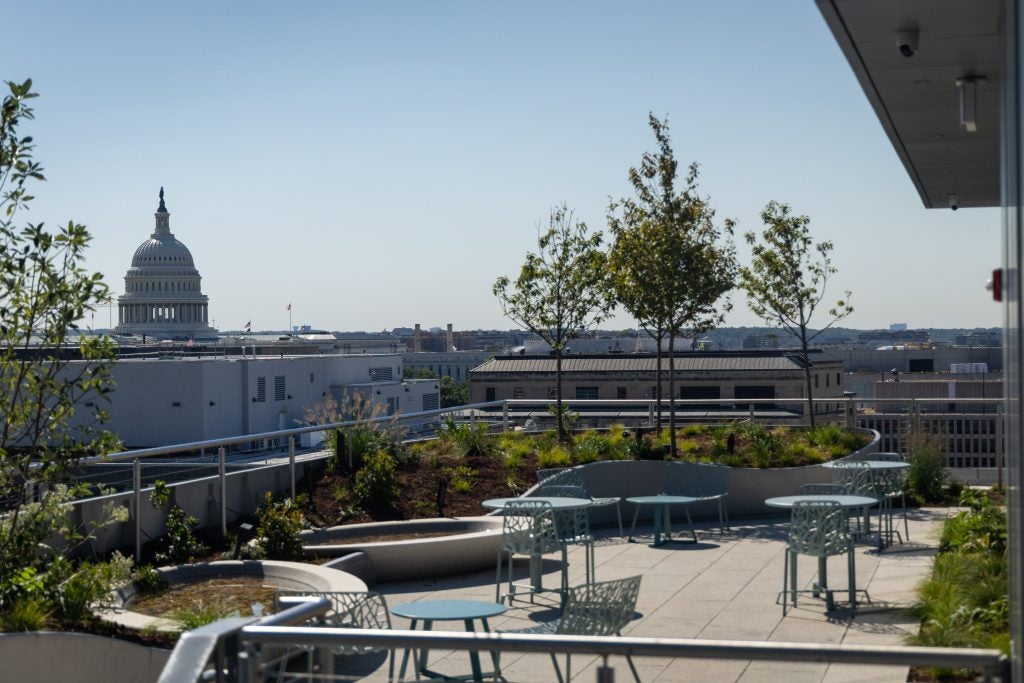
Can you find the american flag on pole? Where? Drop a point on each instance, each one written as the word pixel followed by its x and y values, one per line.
pixel 288 307
pixel 248 326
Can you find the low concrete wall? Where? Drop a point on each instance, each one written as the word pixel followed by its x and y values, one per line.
pixel 56 657
pixel 748 487
pixel 415 558
pixel 287 575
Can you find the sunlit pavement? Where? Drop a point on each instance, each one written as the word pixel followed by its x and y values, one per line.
pixel 723 587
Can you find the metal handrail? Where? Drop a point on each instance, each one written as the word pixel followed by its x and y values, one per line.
pixel 993 664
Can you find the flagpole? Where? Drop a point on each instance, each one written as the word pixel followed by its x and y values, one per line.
pixel 289 318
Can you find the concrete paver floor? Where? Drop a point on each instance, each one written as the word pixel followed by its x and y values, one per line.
pixel 723 587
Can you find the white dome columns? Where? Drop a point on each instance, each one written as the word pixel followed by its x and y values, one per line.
pixel 163 297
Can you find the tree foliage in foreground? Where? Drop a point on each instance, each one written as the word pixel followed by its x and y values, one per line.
pixel 786 279
pixel 670 265
pixel 561 290
pixel 46 425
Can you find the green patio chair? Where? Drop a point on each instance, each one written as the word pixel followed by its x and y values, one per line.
pixel 702 480
pixel 893 484
pixel 573 477
pixel 598 609
pixel 858 479
pixel 529 527
pixel 353 609
pixel 823 490
pixel 818 528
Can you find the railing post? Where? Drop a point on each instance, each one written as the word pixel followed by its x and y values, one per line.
pixel 605 673
pixel 291 463
pixel 223 476
pixel 650 414
pixel 504 416
pixel 137 486
pixel 999 446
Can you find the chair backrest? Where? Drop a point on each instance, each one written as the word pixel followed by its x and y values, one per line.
pixel 819 528
pixel 888 457
pixel 823 489
pixel 856 476
pixel 602 608
pixel 529 526
pixel 696 479
pixel 569 476
pixel 352 609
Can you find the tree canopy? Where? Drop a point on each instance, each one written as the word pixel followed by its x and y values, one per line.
pixel 670 265
pixel 561 289
pixel 786 279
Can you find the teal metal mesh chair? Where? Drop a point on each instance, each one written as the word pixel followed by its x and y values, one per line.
pixel 823 490
pixel 352 609
pixel 573 524
pixel 858 479
pixel 529 528
pixel 573 477
pixel 892 485
pixel 702 480
pixel 818 528
pixel 598 609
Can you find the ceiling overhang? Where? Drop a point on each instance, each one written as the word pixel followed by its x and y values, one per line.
pixel 917 99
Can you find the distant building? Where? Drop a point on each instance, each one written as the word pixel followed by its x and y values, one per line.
pixel 699 375
pixel 163 297
pixel 157 402
pixel 761 341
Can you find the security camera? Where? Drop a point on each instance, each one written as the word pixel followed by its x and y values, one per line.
pixel 906 41
pixel 954 202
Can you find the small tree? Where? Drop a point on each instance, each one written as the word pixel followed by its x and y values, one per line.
pixel 44 291
pixel 671 266
pixel 785 281
pixel 453 392
pixel 561 290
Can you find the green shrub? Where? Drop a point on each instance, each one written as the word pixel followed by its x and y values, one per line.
pixel 469 439
pixel 277 531
pixel 180 543
pixel 28 613
pixel 375 480
pixel 201 614
pixel 590 446
pixel 553 455
pixel 148 580
pixel 692 430
pixel 460 479
pixel 980 528
pixel 927 476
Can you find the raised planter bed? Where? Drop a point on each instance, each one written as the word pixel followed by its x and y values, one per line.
pixel 287 575
pixel 439 547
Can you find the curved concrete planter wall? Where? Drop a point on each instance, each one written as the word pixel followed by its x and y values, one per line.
pixel 58 657
pixel 415 558
pixel 290 575
pixel 748 487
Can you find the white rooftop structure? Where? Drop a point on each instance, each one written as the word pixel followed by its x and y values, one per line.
pixel 162 295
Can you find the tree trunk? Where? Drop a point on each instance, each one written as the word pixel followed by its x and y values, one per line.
pixel 657 384
pixel 807 381
pixel 558 394
pixel 672 394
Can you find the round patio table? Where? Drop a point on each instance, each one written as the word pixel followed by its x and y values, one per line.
pixel 880 471
pixel 429 611
pixel 662 503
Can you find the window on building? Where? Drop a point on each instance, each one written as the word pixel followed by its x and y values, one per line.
pixel 552 393
pixel 311 378
pixel 279 390
pixel 620 393
pixel 392 405
pixel 381 374
pixel 431 401
pixel 815 380
pixel 586 393
pixel 827 378
pixel 488 393
pixel 261 389
pixel 838 379
pixel 517 392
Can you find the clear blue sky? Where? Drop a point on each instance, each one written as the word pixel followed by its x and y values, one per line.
pixel 378 164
